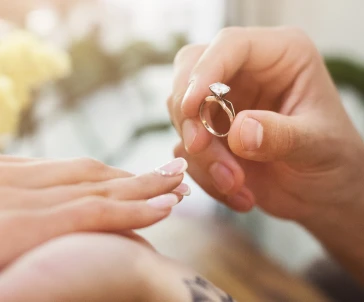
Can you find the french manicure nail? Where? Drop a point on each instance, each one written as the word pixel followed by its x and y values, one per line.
pixel 251 134
pixel 183 189
pixel 189 133
pixel 190 88
pixel 175 167
pixel 163 201
pixel 223 177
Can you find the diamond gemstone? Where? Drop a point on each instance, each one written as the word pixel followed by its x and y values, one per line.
pixel 219 89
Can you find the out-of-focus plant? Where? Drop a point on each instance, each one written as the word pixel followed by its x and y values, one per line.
pixel 347 72
pixel 93 67
pixel 26 63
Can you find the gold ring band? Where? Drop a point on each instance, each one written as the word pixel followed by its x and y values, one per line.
pixel 218 90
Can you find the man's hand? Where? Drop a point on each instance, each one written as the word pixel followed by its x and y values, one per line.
pixel 291 149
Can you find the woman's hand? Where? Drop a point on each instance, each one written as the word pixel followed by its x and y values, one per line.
pixel 37 183
pixel 291 149
pixel 43 199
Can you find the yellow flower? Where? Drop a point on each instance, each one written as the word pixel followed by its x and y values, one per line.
pixel 30 63
pixel 26 63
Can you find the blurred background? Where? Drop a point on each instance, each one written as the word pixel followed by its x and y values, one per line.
pixel 110 104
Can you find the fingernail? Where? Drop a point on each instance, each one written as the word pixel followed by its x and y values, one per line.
pixel 190 88
pixel 163 201
pixel 183 189
pixel 242 201
pixel 173 168
pixel 189 133
pixel 223 177
pixel 251 134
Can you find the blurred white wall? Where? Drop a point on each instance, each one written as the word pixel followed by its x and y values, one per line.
pixel 335 26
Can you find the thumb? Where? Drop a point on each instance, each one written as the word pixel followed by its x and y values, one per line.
pixel 266 136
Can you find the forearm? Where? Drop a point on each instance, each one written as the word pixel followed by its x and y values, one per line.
pixel 100 267
pixel 341 231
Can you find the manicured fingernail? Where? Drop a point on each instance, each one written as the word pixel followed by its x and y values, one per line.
pixel 251 134
pixel 242 201
pixel 189 133
pixel 164 201
pixel 183 189
pixel 190 88
pixel 175 167
pixel 223 177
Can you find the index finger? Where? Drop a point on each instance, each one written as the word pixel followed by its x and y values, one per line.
pixel 236 48
pixel 192 128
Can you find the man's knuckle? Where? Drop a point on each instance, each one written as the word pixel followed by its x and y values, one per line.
pixel 299 37
pixel 170 102
pixel 295 139
pixel 186 51
pixel 230 31
pixel 173 103
pixel 178 150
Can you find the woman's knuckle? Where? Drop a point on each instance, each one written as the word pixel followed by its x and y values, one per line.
pixel 12 222
pixel 97 209
pixel 91 164
pixel 101 190
pixel 145 181
pixel 98 168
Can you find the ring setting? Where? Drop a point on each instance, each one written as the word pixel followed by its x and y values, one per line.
pixel 219 90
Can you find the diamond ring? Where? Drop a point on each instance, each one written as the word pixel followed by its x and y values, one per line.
pixel 218 90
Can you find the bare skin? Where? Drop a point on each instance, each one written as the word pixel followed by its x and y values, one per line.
pixel 66 233
pixel 44 199
pixel 292 150
pixel 102 267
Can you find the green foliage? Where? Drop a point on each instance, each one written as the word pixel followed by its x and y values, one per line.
pixel 347 73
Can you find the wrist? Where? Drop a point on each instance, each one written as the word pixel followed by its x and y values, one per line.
pixel 343 206
pixel 340 230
